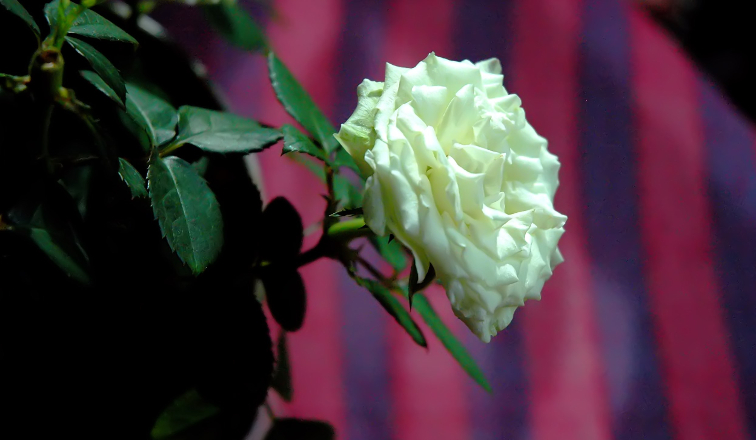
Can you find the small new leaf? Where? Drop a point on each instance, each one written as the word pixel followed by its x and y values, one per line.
pixel 187 410
pixel 394 308
pixel 295 140
pixel 102 86
pixel 132 178
pixel 282 375
pixel 14 7
pixel 299 104
pixel 234 24
pixel 101 65
pixel 220 132
pixel 187 211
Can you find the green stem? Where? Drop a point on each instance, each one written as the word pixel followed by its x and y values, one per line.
pixel 169 149
pixel 348 230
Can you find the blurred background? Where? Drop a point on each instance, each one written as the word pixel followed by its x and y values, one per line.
pixel 648 330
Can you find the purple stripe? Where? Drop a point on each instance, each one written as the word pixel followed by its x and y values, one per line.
pixel 732 189
pixel 610 192
pixel 366 367
pixel 483 30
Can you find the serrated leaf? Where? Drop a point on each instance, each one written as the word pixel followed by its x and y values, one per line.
pixel 391 251
pixel 286 296
pixel 282 375
pixel 234 24
pixel 156 117
pixel 291 429
pixel 447 338
pixel 220 132
pixel 102 86
pixel 187 211
pixel 299 104
pixel 394 308
pixel 295 140
pixel 101 65
pixel 187 410
pixel 132 178
pixel 14 7
pixel 94 25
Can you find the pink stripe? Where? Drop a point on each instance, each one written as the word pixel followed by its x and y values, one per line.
pixel 693 347
pixel 428 387
pixel 566 371
pixel 305 37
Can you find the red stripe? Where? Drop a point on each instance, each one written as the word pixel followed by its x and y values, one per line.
pixel 566 371
pixel 428 387
pixel 676 225
pixel 305 37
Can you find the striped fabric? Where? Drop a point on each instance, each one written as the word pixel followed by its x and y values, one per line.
pixel 647 331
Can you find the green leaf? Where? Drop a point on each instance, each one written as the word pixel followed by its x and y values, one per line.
pixel 347 194
pixel 220 132
pixel 394 308
pixel 285 292
pixel 67 256
pixel 315 168
pixel 102 86
pixel 51 13
pixel 282 375
pixel 17 9
pixel 187 211
pixel 295 140
pixel 299 105
pixel 297 429
pixel 101 65
pixel 187 410
pixel 156 117
pixel 391 251
pixel 94 25
pixel 132 178
pixel 234 24
pixel 449 341
pixel 343 159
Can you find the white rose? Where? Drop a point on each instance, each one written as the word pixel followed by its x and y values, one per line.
pixel 458 175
